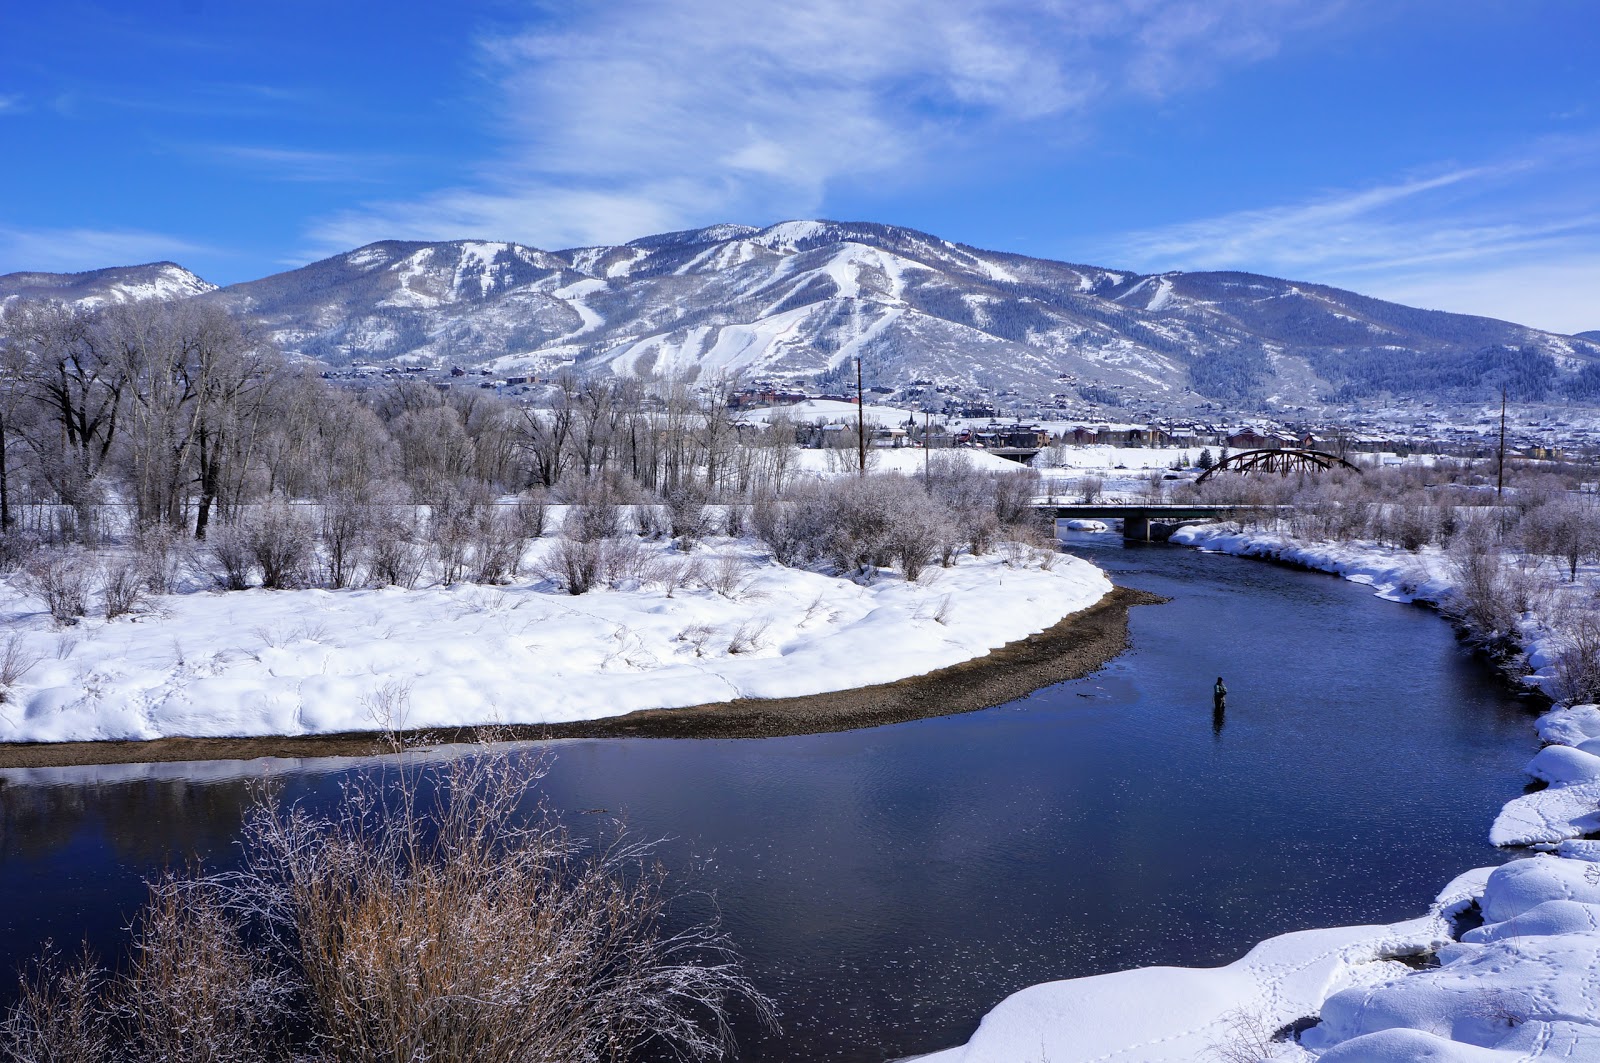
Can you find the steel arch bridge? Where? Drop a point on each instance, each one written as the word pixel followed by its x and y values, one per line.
pixel 1278 461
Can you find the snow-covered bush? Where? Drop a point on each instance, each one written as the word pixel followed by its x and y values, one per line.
pixel 686 508
pixel 573 564
pixel 165 555
pixel 1014 493
pixel 1490 591
pixel 346 529
pixel 532 514
pixel 16 546
pixel 62 577
pixel 729 575
pixel 282 543
pixel 498 545
pixel 122 586
pixel 1577 662
pixel 393 555
pixel 651 521
pixel 229 547
pixel 16 661
pixel 624 562
pixel 454 520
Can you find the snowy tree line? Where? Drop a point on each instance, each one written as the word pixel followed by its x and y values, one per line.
pixel 172 436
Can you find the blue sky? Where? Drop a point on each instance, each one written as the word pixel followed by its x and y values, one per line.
pixel 1445 154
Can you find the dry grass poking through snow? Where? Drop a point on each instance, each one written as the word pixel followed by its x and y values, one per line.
pixel 431 918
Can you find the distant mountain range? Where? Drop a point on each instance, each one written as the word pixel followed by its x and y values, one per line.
pixel 800 301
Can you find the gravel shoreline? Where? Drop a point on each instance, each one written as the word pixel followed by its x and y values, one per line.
pixel 1074 647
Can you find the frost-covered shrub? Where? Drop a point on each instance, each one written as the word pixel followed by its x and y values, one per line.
pixel 1577 662
pixel 792 527
pixel 229 548
pixel 16 546
pixel 917 534
pixel 588 522
pixel 735 519
pixel 573 564
pixel 596 507
pixel 122 586
pixel 1491 593
pixel 62 577
pixel 652 521
pixel 532 514
pixel 346 530
pixel 729 575
pixel 1568 531
pixel 498 546
pixel 454 521
pixel 1089 488
pixel 282 542
pixel 623 562
pixel 862 523
pixel 686 509
pixel 394 557
pixel 16 661
pixel 1014 493
pixel 674 573
pixel 165 555
pixel 1408 525
pixel 983 531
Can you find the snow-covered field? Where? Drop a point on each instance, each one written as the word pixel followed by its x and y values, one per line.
pixel 260 662
pixel 1523 986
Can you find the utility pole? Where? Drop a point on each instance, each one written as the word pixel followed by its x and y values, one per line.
pixel 1500 470
pixel 861 420
pixel 927 445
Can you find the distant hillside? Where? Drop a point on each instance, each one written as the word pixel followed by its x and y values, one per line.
pixel 118 284
pixel 799 301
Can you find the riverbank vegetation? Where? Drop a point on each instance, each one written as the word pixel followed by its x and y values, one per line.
pixel 1507 553
pixel 435 915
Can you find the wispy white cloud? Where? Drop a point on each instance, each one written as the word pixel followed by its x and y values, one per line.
pixel 1517 239
pixel 73 250
pixel 294 164
pixel 11 104
pixel 628 117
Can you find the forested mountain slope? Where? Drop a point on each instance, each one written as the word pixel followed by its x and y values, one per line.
pixel 800 301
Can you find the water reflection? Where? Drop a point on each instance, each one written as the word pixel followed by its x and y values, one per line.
pixel 889 886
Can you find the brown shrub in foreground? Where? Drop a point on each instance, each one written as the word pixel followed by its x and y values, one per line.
pixel 432 917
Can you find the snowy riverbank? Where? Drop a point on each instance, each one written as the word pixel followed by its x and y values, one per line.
pixel 301 662
pixel 1522 986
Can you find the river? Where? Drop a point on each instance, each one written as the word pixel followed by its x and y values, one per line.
pixel 889 886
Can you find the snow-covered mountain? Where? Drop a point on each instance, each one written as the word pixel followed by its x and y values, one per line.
pixel 118 284
pixel 799 301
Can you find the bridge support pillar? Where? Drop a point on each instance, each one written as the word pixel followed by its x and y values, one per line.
pixel 1136 527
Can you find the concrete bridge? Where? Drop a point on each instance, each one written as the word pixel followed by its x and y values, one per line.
pixel 1143 521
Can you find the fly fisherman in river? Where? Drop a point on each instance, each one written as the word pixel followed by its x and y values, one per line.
pixel 1219 695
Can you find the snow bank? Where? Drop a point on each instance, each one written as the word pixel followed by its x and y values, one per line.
pixel 1179 1015
pixel 1396 575
pixel 258 662
pixel 1525 985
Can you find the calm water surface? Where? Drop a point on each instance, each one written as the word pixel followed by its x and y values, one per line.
pixel 889 886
